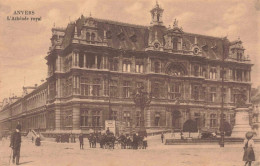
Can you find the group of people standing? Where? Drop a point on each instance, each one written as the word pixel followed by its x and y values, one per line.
pixel 65 138
pixel 133 142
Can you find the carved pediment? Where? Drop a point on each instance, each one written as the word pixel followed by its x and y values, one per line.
pixel 90 23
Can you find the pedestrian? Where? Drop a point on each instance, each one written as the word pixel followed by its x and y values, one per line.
pixel 181 133
pixel 249 154
pixel 145 142
pixel 81 141
pixel 15 144
pixel 107 131
pixel 162 137
pixel 38 141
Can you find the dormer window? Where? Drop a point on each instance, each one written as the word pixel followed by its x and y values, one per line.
pixel 88 36
pixel 93 36
pixel 239 56
pixel 176 41
pixel 133 38
pixel 121 36
pixel 205 47
pixel 109 35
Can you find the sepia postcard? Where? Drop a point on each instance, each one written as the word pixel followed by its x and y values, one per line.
pixel 130 82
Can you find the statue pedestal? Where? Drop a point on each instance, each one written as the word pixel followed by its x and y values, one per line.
pixel 257 130
pixel 241 124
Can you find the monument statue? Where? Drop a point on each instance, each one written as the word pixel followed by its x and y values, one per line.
pixel 242 117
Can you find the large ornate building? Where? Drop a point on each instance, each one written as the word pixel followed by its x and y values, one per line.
pixel 95 65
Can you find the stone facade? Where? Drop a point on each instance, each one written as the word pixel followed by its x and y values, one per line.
pixel 95 65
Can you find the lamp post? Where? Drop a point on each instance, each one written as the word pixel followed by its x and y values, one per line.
pixel 142 100
pixel 222 107
pixel 225 54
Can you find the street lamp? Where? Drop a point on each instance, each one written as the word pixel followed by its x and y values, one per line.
pixel 225 54
pixel 142 99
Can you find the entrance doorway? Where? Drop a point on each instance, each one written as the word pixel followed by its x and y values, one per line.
pixel 176 119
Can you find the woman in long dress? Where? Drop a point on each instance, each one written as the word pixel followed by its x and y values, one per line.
pixel 249 154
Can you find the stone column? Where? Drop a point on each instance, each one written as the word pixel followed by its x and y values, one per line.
pixel 148 117
pixel 76 117
pixel 103 62
pixel 78 59
pixel 84 61
pixel 95 61
pixel 57 118
pixel 73 59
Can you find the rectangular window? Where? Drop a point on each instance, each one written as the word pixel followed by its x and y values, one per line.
pixel 114 115
pixel 96 87
pixel 139 68
pixel 84 86
pixel 126 67
pixel 175 91
pixel 96 115
pixel 126 89
pixel 223 74
pixel 84 117
pixel 175 43
pixel 195 92
pixel 156 90
pixel 213 120
pixel 213 94
pixel 113 88
pixel 157 119
pixel 126 117
pixel 113 63
pixel 68 118
pixel 179 46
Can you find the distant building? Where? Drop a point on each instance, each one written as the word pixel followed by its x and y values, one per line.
pixel 95 65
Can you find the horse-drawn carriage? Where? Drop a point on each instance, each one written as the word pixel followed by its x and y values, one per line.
pixel 134 142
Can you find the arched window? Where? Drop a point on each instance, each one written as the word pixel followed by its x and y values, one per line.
pixel 88 36
pixel 175 70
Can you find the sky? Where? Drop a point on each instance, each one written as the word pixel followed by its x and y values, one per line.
pixel 24 44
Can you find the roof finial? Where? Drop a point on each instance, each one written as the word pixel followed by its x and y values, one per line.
pixel 175 23
pixel 157 5
pixel 90 14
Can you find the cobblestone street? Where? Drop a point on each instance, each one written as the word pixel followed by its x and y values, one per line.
pixel 157 154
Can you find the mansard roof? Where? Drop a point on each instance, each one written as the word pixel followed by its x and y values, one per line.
pixel 122 35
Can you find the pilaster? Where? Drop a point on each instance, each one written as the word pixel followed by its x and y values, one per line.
pixel 76 117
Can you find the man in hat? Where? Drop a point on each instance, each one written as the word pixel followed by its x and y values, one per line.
pixel 16 144
pixel 81 141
